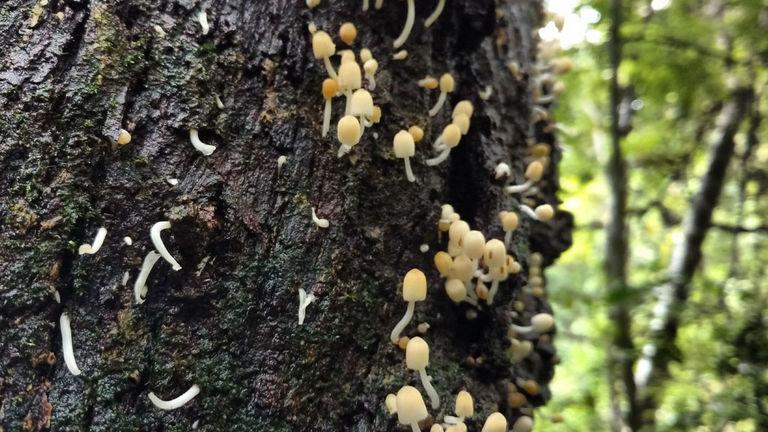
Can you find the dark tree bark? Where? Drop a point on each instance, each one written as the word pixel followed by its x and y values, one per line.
pixel 652 368
pixel 75 72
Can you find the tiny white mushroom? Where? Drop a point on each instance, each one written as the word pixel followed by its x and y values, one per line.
pixel 140 285
pixel 281 160
pixel 202 18
pixel 502 170
pixel 177 402
pixel 409 19
pixel 66 345
pixel 205 149
pixel 304 301
pixel 154 234
pixel 435 14
pixel 90 249
pixel 128 241
pixel 322 223
pixel 400 55
pixel 172 181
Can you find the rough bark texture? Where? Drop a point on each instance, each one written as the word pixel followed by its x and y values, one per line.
pixel 68 83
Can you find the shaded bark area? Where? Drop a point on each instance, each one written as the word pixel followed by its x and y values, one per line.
pixel 75 72
pixel 660 351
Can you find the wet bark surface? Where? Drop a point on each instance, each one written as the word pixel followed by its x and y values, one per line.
pixel 72 73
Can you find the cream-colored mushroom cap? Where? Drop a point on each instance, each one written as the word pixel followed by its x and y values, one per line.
pixel 376 117
pixel 464 407
pixel 348 33
pixel 509 220
pixel 350 77
pixel 451 135
pixel 443 263
pixel 534 171
pixel 370 66
pixel 447 84
pixel 545 212
pixel 462 121
pixel 414 286
pixel 322 45
pixel 495 422
pixel 330 88
pixel 543 322
pixel 417 354
pixel 347 56
pixel 348 130
pixel 417 133
pixel 365 55
pixel 464 107
pixel 463 268
pixel 473 244
pixel 456 290
pixel 437 427
pixel 361 103
pixel 461 427
pixel 403 145
pixel 523 424
pixel 457 231
pixel 391 403
pixel 410 406
pixel 495 253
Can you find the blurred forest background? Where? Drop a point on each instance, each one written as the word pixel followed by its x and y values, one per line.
pixel 664 143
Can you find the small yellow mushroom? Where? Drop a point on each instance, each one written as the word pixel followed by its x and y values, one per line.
pixel 495 422
pixel 330 88
pixel 410 408
pixel 448 139
pixel 405 148
pixel 429 83
pixel 348 33
pixel 323 48
pixel 370 67
pixel 447 85
pixel 417 358
pixel 348 133
pixel 123 137
pixel 533 173
pixel 414 289
pixel 350 79
pixel 417 133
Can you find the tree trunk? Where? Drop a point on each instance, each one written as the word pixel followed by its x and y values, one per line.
pixel 652 368
pixel 75 72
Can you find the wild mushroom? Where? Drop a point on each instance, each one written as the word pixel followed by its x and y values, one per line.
pixel 429 83
pixel 502 170
pixel 350 79
pixel 323 48
pixel 123 137
pixel 523 424
pixel 409 19
pixel 330 88
pixel 417 133
pixel 495 422
pixel 509 223
pixel 437 427
pixel 365 55
pixel 348 33
pixel 449 139
pixel 447 85
pixel 540 323
pixel 177 402
pixel 405 148
pixel 497 274
pixel 157 241
pixel 370 67
pixel 348 133
pixel 443 263
pixel 533 173
pixel 455 233
pixel 391 403
pixel 435 14
pixel 414 289
pixel 205 149
pixel 464 407
pixel 543 213
pixel 417 358
pixel 66 345
pixel 361 106
pixel 463 107
pixel 462 121
pixel 473 245
pixel 410 406
pixel 101 234
pixel 495 257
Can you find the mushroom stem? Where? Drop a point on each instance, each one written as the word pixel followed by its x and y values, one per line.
pixel 365 5
pixel 519 188
pixel 327 117
pixel 140 286
pixel 379 4
pixel 522 330
pixel 436 14
pixel 304 301
pixel 438 144
pixel 439 158
pixel 362 125
pixel 409 19
pixel 400 326
pixel 101 234
pixel 426 381
pixel 344 149
pixel 371 82
pixel 154 234
pixel 471 294
pixel 66 345
pixel 439 104
pixel 415 427
pixel 177 402
pixel 348 94
pixel 408 171
pixel 329 68
pixel 507 238
pixel 528 211
pixel 492 292
pixel 205 149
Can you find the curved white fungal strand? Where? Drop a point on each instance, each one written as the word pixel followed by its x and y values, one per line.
pixel 202 18
pixel 66 345
pixel 205 149
pixel 140 286
pixel 101 234
pixel 322 223
pixel 128 241
pixel 304 301
pixel 154 234
pixel 177 402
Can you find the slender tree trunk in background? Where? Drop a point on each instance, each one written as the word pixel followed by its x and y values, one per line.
pixel 653 367
pixel 621 350
pixel 75 72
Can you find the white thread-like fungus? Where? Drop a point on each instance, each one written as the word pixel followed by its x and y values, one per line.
pixel 348 133
pixel 205 149
pixel 304 301
pixel 409 19
pixel 219 103
pixel 123 137
pixel 449 139
pixel 414 289
pixel 495 422
pixel 540 323
pixel 391 403
pixel 322 223
pixel 177 402
pixel 140 285
pixel 410 406
pixel 447 85
pixel 66 345
pixel 370 67
pixel 435 14
pixel 330 88
pixel 57 296
pixel 400 55
pixel 533 173
pixel 281 160
pixel 405 148
pixel 502 170
pixel 323 48
pixel 90 249
pixel 429 83
pixel 202 18
pixel 348 33
pixel 126 276
pixel 523 424
pixel 157 241
pixel 417 358
pixel 350 79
